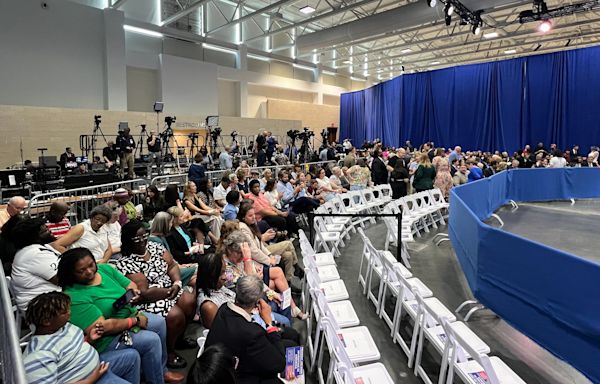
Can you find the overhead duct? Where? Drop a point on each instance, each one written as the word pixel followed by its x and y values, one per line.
pixel 406 16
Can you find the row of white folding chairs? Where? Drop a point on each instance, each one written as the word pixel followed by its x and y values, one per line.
pixel 18 314
pixel 455 342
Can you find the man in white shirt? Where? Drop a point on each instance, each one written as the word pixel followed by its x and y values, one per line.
pixel 221 191
pixel 36 262
pixel 225 159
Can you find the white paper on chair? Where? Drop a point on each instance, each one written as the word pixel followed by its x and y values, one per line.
pixel 286 298
pixel 355 342
pixel 11 180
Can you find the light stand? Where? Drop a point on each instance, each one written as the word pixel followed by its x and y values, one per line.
pixel 140 143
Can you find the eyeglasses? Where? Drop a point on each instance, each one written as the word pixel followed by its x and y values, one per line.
pixel 140 239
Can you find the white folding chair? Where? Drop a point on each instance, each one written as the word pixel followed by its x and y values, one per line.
pixel 384 192
pixel 429 317
pixel 325 239
pixel 18 314
pixel 370 201
pixel 391 285
pixel 201 341
pixel 322 258
pixel 336 205
pixel 342 368
pixel 332 225
pixel 481 367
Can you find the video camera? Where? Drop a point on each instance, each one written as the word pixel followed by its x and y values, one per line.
pixel 97 120
pixel 234 134
pixel 170 120
pixel 293 134
pixel 306 134
pixel 215 133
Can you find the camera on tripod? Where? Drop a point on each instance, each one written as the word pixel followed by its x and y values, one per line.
pixel 193 136
pixel 293 134
pixel 234 134
pixel 97 120
pixel 304 136
pixel 170 120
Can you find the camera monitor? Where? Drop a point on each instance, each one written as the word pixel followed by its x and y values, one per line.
pixel 123 125
pixel 212 121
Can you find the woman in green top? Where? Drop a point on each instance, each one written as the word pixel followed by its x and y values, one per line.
pixel 425 174
pixel 93 289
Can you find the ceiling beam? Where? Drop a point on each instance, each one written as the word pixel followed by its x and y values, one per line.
pixel 178 15
pixel 118 4
pixel 249 15
pixel 313 19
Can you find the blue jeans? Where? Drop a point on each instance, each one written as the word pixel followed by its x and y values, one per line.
pixel 356 187
pixel 124 367
pixel 151 346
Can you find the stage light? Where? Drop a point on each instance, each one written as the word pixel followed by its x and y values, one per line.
pixel 407 50
pixel 476 29
pixel 432 3
pixel 434 63
pixel 545 26
pixel 490 35
pixel 510 52
pixel 307 9
pixel 449 9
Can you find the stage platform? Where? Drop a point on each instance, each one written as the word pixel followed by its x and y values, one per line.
pixel 572 228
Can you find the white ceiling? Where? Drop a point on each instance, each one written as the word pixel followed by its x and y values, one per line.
pixel 273 27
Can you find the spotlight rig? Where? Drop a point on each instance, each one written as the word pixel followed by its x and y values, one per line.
pixel 467 17
pixel 540 11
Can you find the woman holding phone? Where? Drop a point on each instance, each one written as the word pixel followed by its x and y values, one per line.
pixel 93 289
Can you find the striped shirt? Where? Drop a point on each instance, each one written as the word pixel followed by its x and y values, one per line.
pixel 62 357
pixel 60 228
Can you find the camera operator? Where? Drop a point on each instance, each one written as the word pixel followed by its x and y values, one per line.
pixel 125 146
pixel 154 150
pixel 109 155
pixel 225 159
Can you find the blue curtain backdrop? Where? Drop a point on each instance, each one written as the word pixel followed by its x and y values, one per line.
pixel 503 105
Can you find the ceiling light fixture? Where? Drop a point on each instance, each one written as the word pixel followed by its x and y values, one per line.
pixel 449 9
pixel 432 3
pixel 434 63
pixel 476 28
pixel 490 35
pixel 142 31
pixel 545 26
pixel 346 62
pixel 307 9
pixel 407 50
pixel 510 52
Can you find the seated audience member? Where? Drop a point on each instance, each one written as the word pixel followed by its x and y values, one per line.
pixel 272 195
pixel 243 167
pixel 338 178
pixel 399 180
pixel 112 230
pixel 475 173
pixel 328 189
pixel 202 234
pixel 34 266
pixel 58 352
pixel 153 203
pixel 460 177
pixel 558 161
pixel 263 253
pixel 172 197
pixel 93 289
pixel 267 175
pixel 231 209
pixel 152 268
pixel 295 197
pixel 261 352
pixel 220 191
pixel 211 216
pixel 181 243
pixel 239 262
pixel 272 216
pixel 212 292
pixel 242 184
pixel 206 196
pixel 160 229
pixel 128 211
pixel 16 205
pixel 254 175
pixel 87 234
pixel 56 220
pixel 7 245
pixel 214 366
pixel 197 172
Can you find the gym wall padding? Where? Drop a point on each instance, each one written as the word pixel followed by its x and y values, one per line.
pixel 549 295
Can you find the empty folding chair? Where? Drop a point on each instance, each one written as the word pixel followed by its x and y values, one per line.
pixel 370 201
pixel 391 285
pixel 384 192
pixel 325 272
pixel 326 240
pixel 344 371
pixel 332 225
pixel 336 205
pixel 481 367
pixel 321 258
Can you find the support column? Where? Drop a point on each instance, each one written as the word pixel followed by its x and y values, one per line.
pixel 243 98
pixel 242 59
pixel 115 83
pixel 319 76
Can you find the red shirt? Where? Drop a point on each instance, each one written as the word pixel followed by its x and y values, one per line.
pixel 260 203
pixel 60 228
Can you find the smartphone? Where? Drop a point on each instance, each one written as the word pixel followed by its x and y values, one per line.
pixel 124 300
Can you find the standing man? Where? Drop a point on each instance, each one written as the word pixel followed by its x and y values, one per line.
pixel 126 145
pixel 455 155
pixel 15 206
pixel 225 159
pixel 153 153
pixel 68 161
pixel 271 144
pixel 109 154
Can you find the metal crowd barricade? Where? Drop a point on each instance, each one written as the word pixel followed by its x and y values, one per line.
pixel 83 200
pixel 181 178
pixel 11 360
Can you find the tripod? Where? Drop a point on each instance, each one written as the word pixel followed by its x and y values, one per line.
pixel 305 150
pixel 42 170
pixel 166 151
pixel 291 147
pixel 140 143
pixel 97 129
